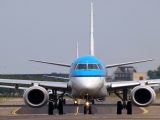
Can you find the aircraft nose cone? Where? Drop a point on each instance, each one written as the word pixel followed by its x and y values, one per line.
pixel 87 85
pixel 90 84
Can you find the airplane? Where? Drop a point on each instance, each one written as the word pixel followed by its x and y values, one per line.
pixel 87 81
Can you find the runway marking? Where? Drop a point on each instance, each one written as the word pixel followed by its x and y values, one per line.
pixel 145 111
pixel 15 110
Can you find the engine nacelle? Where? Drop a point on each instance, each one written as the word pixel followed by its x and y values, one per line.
pixel 143 95
pixel 36 96
pixel 100 99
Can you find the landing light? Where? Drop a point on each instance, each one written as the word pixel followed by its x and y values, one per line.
pixel 87 103
pixel 75 102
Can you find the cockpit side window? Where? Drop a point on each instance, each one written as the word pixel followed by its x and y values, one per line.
pixel 74 66
pixel 100 66
pixel 81 67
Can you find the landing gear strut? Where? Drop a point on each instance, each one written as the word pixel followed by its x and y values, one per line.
pixel 124 104
pixel 55 103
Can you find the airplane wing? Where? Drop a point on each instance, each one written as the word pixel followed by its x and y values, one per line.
pixel 127 63
pixel 51 63
pixel 13 87
pixel 130 84
pixel 45 84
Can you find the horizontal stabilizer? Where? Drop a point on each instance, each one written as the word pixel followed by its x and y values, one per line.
pixel 127 63
pixel 51 63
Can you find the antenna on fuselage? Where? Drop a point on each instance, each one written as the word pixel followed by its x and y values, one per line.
pixel 92 31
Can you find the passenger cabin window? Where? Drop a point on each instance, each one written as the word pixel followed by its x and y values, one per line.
pixel 81 66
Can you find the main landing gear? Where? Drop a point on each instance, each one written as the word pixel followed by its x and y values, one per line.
pixel 121 106
pixel 124 104
pixel 55 103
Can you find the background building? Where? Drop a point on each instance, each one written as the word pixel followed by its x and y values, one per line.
pixel 128 73
pixel 124 73
pixel 140 76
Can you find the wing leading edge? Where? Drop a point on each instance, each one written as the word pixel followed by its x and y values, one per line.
pixel 129 84
pixel 45 84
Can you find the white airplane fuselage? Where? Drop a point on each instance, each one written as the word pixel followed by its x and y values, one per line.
pixel 87 78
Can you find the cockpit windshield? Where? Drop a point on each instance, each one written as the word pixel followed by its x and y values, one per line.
pixel 88 67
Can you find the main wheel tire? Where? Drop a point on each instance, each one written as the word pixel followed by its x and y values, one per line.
pixel 129 107
pixel 119 107
pixel 50 108
pixel 60 107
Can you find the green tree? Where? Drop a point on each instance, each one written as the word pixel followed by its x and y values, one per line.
pixel 154 74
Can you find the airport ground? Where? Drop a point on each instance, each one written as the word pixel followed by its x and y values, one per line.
pixel 15 109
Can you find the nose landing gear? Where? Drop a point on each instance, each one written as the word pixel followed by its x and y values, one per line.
pixel 87 107
pixel 88 104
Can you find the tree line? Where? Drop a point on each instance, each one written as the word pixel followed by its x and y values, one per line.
pixel 154 74
pixel 7 92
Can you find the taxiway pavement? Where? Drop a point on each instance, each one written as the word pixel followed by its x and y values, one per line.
pixel 15 109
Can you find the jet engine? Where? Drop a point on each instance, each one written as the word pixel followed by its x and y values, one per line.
pixel 143 95
pixel 36 96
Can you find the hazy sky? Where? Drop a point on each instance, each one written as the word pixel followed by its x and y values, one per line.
pixel 125 30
